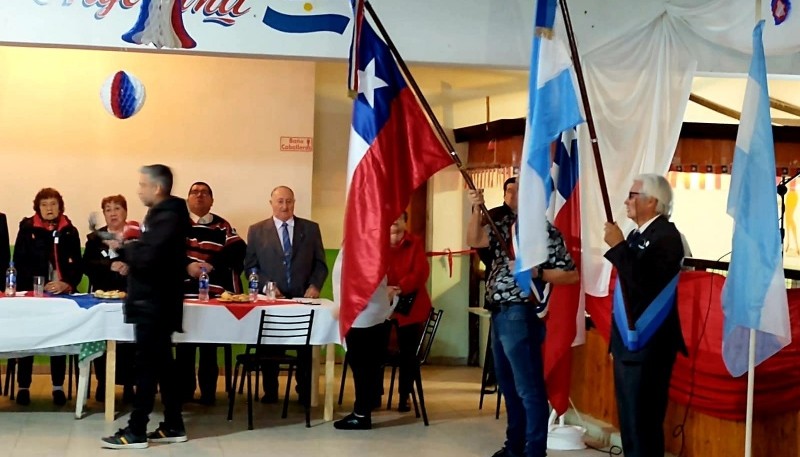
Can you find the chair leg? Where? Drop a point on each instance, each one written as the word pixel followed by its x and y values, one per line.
pixel 418 380
pixel 499 397
pixel 228 351
pixel 288 389
pixel 83 385
pixel 391 389
pixel 344 377
pixel 11 375
pixel 241 382
pixel 70 359
pixel 249 399
pixel 231 397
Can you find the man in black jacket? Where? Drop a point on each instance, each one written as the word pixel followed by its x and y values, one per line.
pixel 157 266
pixel 647 264
pixel 5 250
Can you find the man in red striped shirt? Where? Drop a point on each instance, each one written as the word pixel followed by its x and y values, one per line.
pixel 214 244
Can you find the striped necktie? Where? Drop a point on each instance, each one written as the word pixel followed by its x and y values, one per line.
pixel 287 252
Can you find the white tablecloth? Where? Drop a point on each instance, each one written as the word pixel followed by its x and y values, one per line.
pixel 38 323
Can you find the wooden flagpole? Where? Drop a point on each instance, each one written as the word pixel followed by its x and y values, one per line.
pixel 598 160
pixel 751 353
pixel 436 124
pixel 576 62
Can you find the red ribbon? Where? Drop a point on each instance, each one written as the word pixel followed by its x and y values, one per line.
pixel 450 255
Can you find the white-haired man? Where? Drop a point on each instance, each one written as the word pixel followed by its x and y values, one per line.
pixel 647 264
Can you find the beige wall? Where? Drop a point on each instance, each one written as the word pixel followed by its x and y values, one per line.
pixel 213 119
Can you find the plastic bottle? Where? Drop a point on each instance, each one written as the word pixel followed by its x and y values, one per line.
pixel 11 280
pixel 202 293
pixel 252 282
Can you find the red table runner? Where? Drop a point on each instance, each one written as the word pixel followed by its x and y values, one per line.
pixel 241 309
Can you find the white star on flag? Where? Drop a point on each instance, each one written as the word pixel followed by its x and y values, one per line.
pixel 368 83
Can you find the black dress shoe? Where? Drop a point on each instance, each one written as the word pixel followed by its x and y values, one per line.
pixel 207 400
pixel 128 394
pixel 403 406
pixel 24 397
pixel 269 399
pixel 353 422
pixel 59 399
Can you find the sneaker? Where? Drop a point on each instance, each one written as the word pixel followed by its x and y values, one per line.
pixel 59 398
pixel 164 434
pixel 124 439
pixel 353 422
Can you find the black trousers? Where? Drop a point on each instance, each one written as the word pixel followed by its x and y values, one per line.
pixel 271 370
pixel 126 354
pixel 642 390
pixel 207 372
pixel 154 367
pixel 408 337
pixel 366 351
pixel 58 369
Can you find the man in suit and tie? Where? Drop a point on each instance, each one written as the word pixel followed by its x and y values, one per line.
pixel 5 249
pixel 286 250
pixel 647 265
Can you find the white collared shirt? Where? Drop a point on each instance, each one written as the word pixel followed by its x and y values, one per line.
pixel 279 227
pixel 644 226
pixel 205 220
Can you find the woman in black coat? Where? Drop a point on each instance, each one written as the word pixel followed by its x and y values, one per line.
pixel 107 271
pixel 47 245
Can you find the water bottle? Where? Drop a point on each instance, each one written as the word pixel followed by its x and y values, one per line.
pixel 202 293
pixel 11 280
pixel 252 282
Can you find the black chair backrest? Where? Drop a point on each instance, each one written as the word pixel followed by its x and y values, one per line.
pixel 285 329
pixel 426 342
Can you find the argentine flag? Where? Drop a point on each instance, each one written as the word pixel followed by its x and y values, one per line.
pixel 311 16
pixel 552 109
pixel 754 295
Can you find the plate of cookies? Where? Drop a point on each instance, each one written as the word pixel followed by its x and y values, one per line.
pixel 110 294
pixel 227 297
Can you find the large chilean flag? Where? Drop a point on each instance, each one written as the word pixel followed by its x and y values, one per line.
pixel 393 150
pixel 565 318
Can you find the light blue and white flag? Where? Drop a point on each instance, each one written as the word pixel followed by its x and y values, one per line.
pixel 754 296
pixel 552 109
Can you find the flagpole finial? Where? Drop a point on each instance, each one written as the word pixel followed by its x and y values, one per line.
pixel 543 32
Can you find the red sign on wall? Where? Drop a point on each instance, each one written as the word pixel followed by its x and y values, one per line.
pixel 297 144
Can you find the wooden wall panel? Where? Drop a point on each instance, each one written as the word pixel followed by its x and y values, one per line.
pixel 704 436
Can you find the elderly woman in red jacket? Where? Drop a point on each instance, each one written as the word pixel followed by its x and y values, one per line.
pixel 407 276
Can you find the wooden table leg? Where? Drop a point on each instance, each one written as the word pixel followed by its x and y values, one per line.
pixel 330 361
pixel 315 353
pixel 111 382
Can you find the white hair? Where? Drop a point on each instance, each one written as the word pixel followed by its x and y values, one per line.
pixel 656 186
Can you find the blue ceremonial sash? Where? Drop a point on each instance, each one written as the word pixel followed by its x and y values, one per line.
pixel 650 320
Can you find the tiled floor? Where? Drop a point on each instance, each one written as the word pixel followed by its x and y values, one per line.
pixel 457 427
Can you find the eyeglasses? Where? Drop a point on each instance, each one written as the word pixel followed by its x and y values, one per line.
pixel 200 192
pixel 632 195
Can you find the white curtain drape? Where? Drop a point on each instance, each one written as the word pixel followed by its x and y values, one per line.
pixel 638 85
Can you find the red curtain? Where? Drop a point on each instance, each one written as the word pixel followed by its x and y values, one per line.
pixel 702 377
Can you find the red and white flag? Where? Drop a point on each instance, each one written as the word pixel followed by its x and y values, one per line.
pixel 565 321
pixel 393 150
